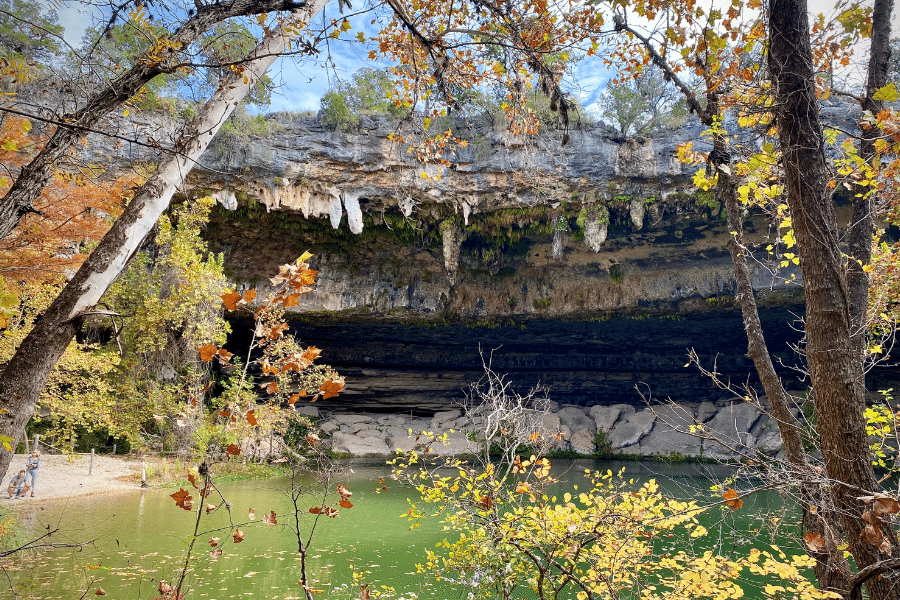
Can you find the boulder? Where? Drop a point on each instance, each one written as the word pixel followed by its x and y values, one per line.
pixel 444 419
pixel 356 428
pixel 369 432
pixel 706 411
pixel 356 446
pixel 629 431
pixel 582 442
pixel 671 433
pixel 456 443
pixel 606 416
pixel 307 410
pixel 351 419
pixel 392 420
pixel 401 440
pixel 329 426
pixel 550 424
pixel 463 422
pixel 576 419
pixel 731 426
pixel 769 443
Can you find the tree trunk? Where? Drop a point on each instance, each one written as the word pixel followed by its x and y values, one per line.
pixel 835 367
pixel 24 376
pixel 832 570
pixel 34 177
pixel 859 237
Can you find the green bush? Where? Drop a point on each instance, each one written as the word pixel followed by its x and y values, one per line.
pixel 602 445
pixel 617 273
pixel 336 114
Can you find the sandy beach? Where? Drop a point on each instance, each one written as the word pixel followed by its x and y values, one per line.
pixel 67 476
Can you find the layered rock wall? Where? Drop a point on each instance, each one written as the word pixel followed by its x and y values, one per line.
pixel 592 267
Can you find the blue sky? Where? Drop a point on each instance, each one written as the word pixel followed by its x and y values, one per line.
pixel 302 83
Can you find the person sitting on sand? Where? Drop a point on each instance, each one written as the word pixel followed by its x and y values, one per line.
pixel 17 485
pixel 31 469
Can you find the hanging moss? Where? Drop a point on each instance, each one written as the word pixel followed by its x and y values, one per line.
pixel 320 236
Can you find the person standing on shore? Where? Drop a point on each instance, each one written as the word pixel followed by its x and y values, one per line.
pixel 32 463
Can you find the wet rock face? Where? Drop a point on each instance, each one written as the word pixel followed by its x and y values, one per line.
pixel 423 368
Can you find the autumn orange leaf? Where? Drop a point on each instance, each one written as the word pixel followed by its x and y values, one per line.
pixel 100 592
pixel 183 499
pixel 345 503
pixel 331 388
pixel 886 505
pixel 271 387
pixel 224 355
pixel 485 503
pixel 311 353
pixel 192 479
pixel 214 541
pixel 238 536
pixel 343 491
pixel 312 438
pixel 249 296
pixel 815 542
pixel 231 300
pixel 268 368
pixel 168 591
pixel 210 508
pixel 251 417
pixel 232 450
pixel 308 277
pixel 276 331
pixel 208 352
pixel 732 500
pixel 327 511
pixel 269 519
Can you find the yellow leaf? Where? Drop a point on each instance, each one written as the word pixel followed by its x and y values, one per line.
pixel 125 114
pixel 886 94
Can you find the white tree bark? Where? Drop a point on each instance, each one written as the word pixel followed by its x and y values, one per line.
pixel 27 371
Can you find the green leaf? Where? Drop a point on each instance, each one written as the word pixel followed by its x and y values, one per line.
pixel 886 94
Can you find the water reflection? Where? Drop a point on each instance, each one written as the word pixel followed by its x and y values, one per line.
pixel 141 538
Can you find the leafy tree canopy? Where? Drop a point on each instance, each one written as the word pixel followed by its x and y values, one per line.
pixel 643 104
pixel 28 30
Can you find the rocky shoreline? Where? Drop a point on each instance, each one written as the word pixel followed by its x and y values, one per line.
pixel 723 430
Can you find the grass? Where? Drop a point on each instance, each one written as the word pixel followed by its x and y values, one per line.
pixel 165 472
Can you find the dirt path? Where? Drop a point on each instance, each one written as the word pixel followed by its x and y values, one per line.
pixel 65 477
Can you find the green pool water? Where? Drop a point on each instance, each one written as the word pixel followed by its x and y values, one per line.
pixel 137 539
